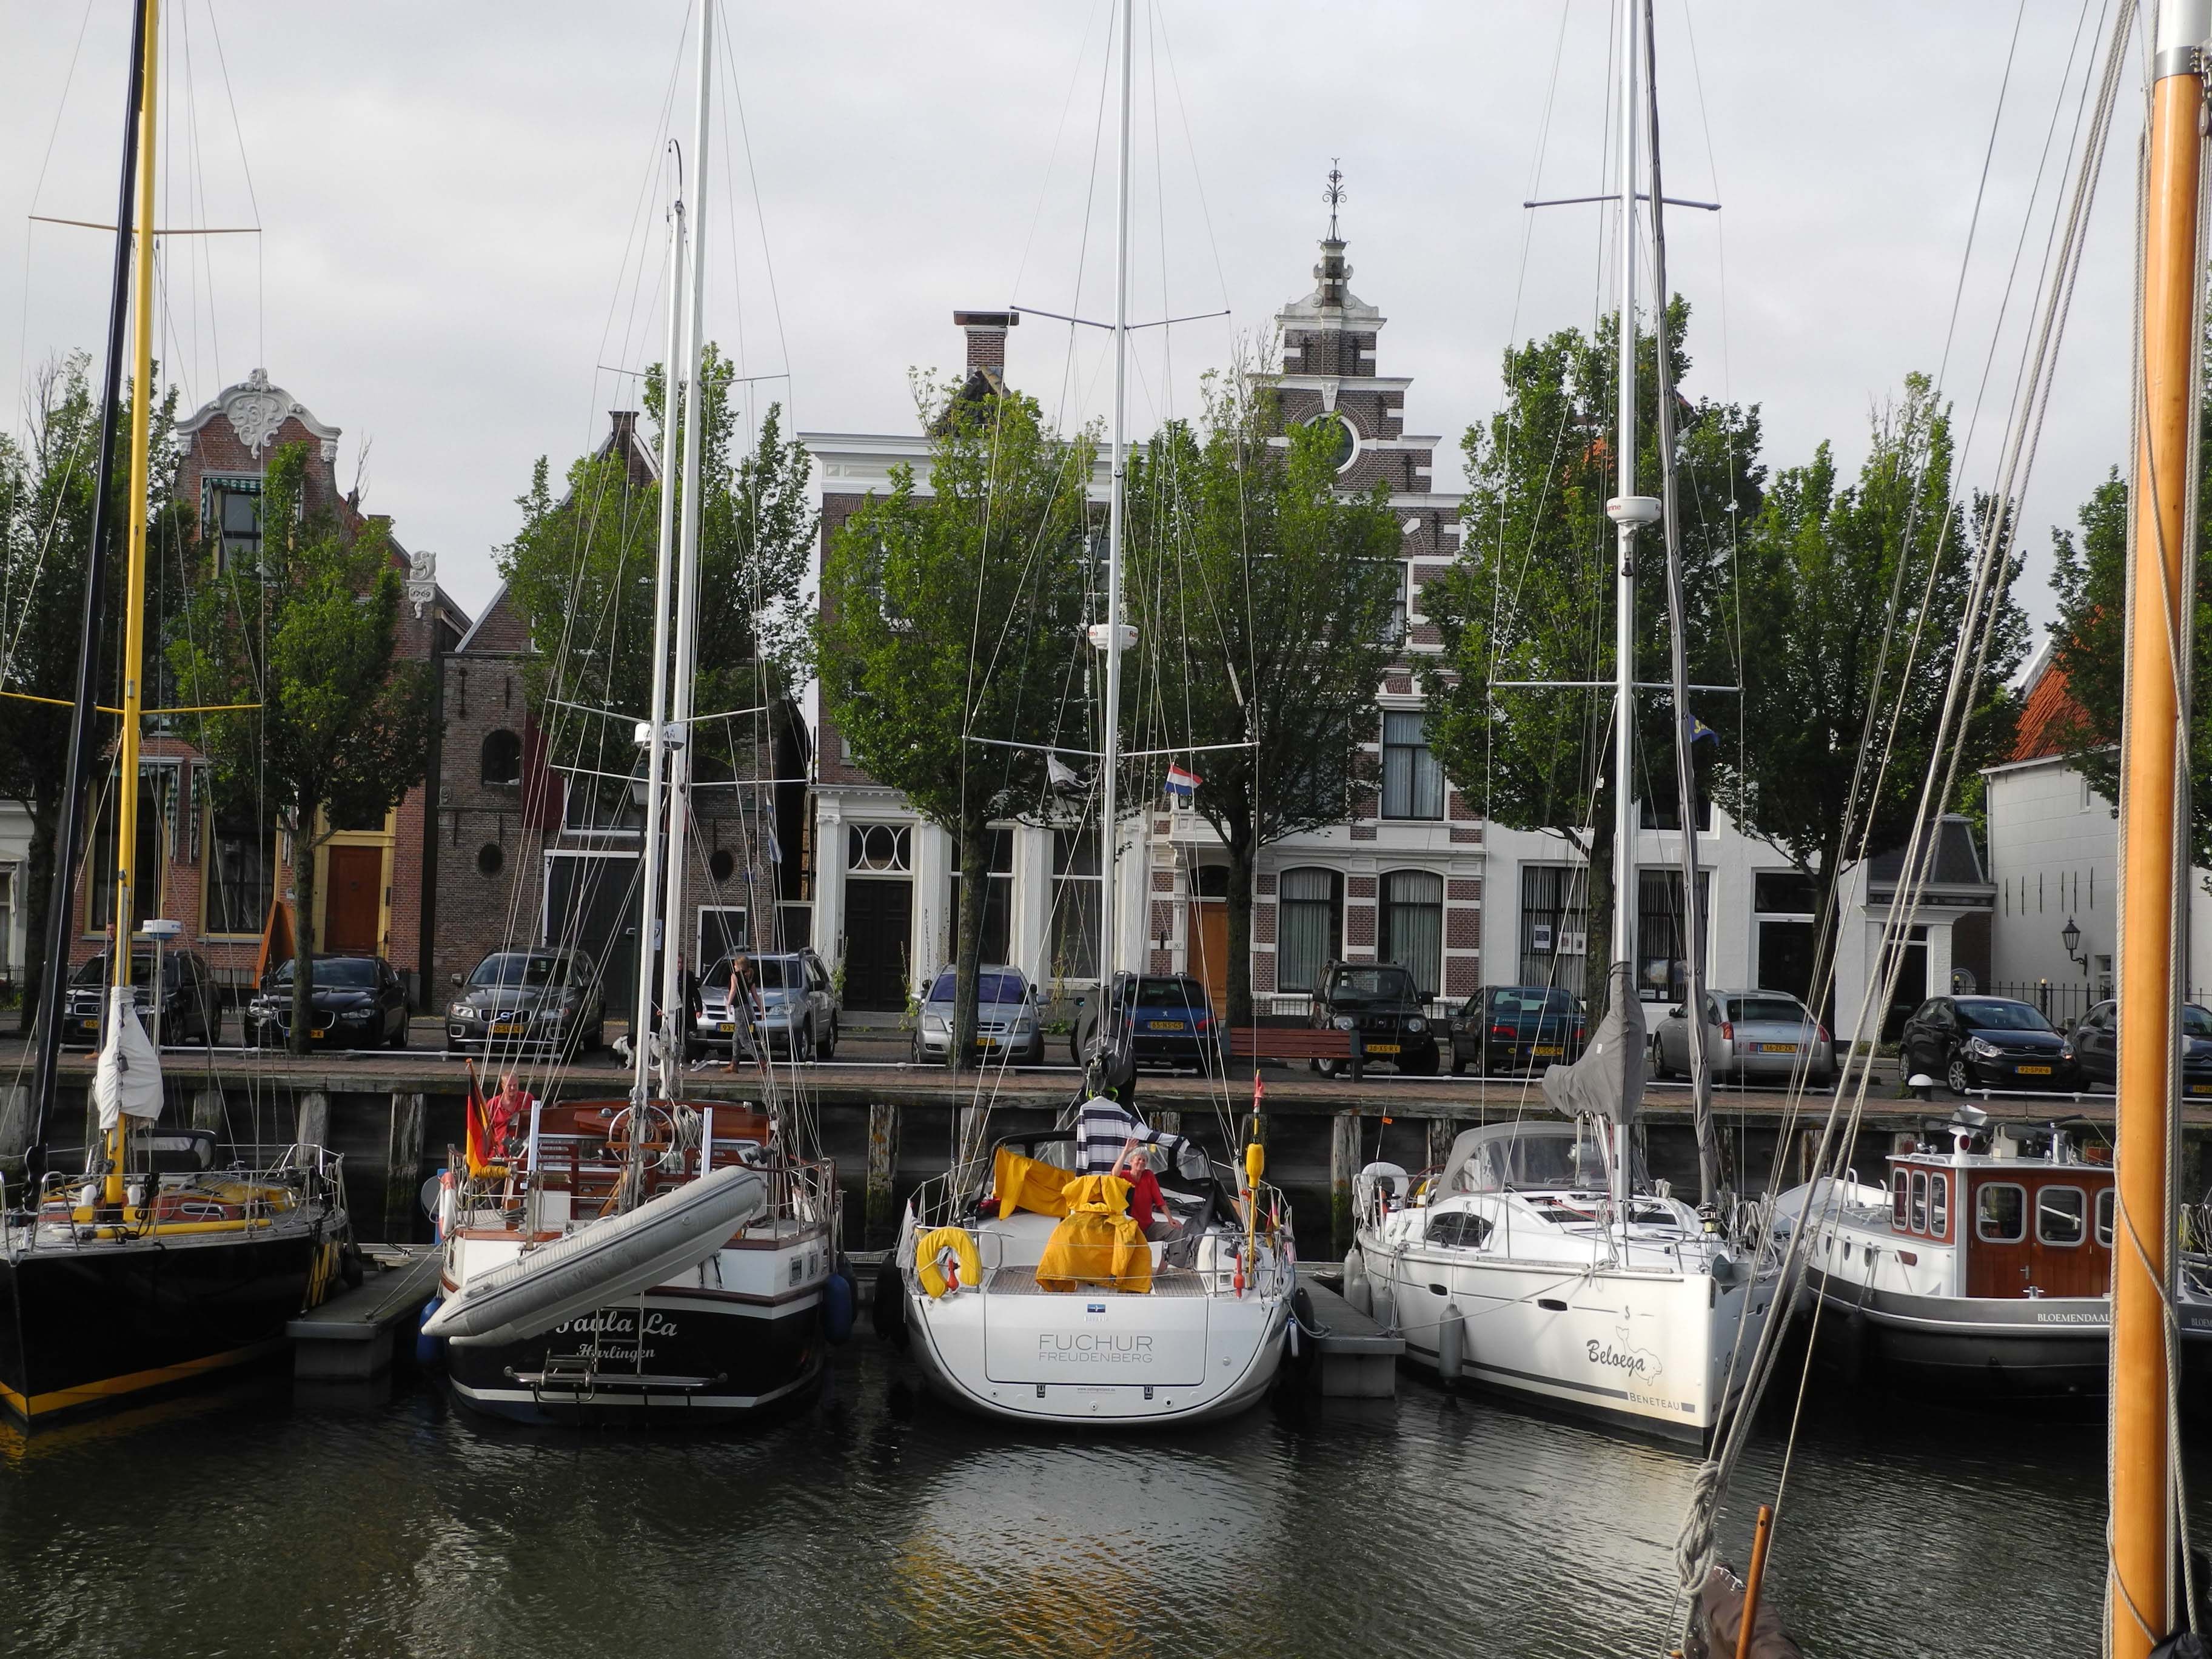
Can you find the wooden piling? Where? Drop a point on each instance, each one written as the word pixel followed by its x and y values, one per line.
pixel 1343 1164
pixel 402 1168
pixel 1441 1133
pixel 14 1125
pixel 314 1121
pixel 879 1219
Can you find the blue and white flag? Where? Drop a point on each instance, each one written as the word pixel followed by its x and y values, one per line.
pixel 1699 731
pixel 1182 783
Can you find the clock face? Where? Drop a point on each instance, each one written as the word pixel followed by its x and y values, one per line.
pixel 1342 441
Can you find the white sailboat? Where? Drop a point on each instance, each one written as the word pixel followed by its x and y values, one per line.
pixel 1195 1330
pixel 1544 1262
pixel 650 1257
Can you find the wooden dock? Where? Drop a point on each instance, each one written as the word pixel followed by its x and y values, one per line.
pixel 355 1335
pixel 1355 1359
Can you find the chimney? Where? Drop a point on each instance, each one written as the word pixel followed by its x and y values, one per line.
pixel 986 337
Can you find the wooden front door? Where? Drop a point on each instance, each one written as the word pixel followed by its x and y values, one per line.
pixel 355 898
pixel 1209 950
pixel 878 943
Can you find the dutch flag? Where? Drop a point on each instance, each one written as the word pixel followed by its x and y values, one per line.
pixel 1181 783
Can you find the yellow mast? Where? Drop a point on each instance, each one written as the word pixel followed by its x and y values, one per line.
pixel 2140 1581
pixel 134 585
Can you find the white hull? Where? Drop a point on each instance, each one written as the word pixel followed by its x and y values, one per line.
pixel 1649 1349
pixel 1190 1351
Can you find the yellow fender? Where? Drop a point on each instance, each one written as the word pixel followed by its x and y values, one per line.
pixel 930 1247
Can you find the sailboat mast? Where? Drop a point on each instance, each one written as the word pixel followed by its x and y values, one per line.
pixel 672 1002
pixel 1110 765
pixel 2154 760
pixel 1628 512
pixel 134 580
pixel 642 1023
pixel 61 903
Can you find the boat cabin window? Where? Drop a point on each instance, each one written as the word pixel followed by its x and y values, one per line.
pixel 1899 1186
pixel 2105 1202
pixel 1919 1200
pixel 1539 1155
pixel 1459 1229
pixel 2001 1213
pixel 1939 1206
pixel 2060 1215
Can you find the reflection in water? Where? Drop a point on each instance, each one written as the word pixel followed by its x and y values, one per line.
pixel 271 1522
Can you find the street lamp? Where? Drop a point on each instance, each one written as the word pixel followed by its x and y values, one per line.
pixel 2070 937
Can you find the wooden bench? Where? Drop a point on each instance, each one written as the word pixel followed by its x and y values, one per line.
pixel 1288 1043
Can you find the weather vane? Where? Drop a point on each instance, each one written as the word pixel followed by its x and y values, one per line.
pixel 1335 193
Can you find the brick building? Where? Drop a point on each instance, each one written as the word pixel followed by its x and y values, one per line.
pixel 220 862
pixel 1404 879
pixel 530 853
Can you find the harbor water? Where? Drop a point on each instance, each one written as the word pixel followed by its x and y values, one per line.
pixel 283 1519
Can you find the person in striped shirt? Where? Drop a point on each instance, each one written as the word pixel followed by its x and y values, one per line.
pixel 1104 1128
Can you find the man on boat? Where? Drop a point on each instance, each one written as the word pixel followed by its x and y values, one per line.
pixel 504 1111
pixel 1104 1127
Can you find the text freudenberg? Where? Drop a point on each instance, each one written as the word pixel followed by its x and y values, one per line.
pixel 1093 1348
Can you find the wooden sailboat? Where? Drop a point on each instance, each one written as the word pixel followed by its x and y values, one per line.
pixel 152 1267
pixel 736 1324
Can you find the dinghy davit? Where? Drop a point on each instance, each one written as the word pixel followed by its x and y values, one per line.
pixel 602 1263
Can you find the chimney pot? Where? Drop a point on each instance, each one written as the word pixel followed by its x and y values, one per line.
pixel 986 337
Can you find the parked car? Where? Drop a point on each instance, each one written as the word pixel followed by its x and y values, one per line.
pixel 1749 1034
pixel 1512 1028
pixel 1166 1019
pixel 798 1013
pixel 356 1002
pixel 1986 1042
pixel 1007 1019
pixel 548 999
pixel 2096 1046
pixel 1379 1001
pixel 192 1009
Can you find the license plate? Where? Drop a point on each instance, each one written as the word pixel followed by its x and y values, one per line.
pixel 2200 1088
pixel 89 1025
pixel 1776 1048
pixel 1547 1051
pixel 987 1042
pixel 2033 1070
pixel 1163 1025
pixel 507 1027
pixel 1381 1048
pixel 728 1028
pixel 322 1031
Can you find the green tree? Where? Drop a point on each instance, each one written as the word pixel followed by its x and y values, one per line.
pixel 1531 597
pixel 1263 601
pixel 307 632
pixel 1843 698
pixel 952 613
pixel 581 570
pixel 47 486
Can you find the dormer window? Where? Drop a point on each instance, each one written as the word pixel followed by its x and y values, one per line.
pixel 230 517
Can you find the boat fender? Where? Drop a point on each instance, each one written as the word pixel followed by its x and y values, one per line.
pixel 940 1275
pixel 1384 1298
pixel 1303 1328
pixel 428 1349
pixel 837 1308
pixel 889 1312
pixel 1357 1290
pixel 1452 1343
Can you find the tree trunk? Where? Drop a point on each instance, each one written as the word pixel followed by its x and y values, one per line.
pixel 303 929
pixel 1241 857
pixel 45 824
pixel 974 896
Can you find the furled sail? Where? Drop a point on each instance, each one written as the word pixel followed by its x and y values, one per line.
pixel 128 1082
pixel 1608 1081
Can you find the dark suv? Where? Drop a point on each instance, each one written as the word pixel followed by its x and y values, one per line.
pixel 1381 1004
pixel 192 1008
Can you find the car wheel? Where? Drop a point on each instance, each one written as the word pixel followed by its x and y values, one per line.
pixel 804 1050
pixel 1459 1065
pixel 829 1049
pixel 1958 1076
pixel 398 1037
pixel 1339 1068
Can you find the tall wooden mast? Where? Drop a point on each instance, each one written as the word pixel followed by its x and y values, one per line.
pixel 2152 798
pixel 127 874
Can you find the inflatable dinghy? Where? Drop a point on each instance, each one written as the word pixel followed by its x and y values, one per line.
pixel 603 1262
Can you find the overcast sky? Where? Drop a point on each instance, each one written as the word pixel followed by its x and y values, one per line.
pixel 460 207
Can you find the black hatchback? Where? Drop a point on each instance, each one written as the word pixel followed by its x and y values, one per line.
pixel 1379 1003
pixel 1513 1028
pixel 1986 1042
pixel 353 1002
pixel 2097 1047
